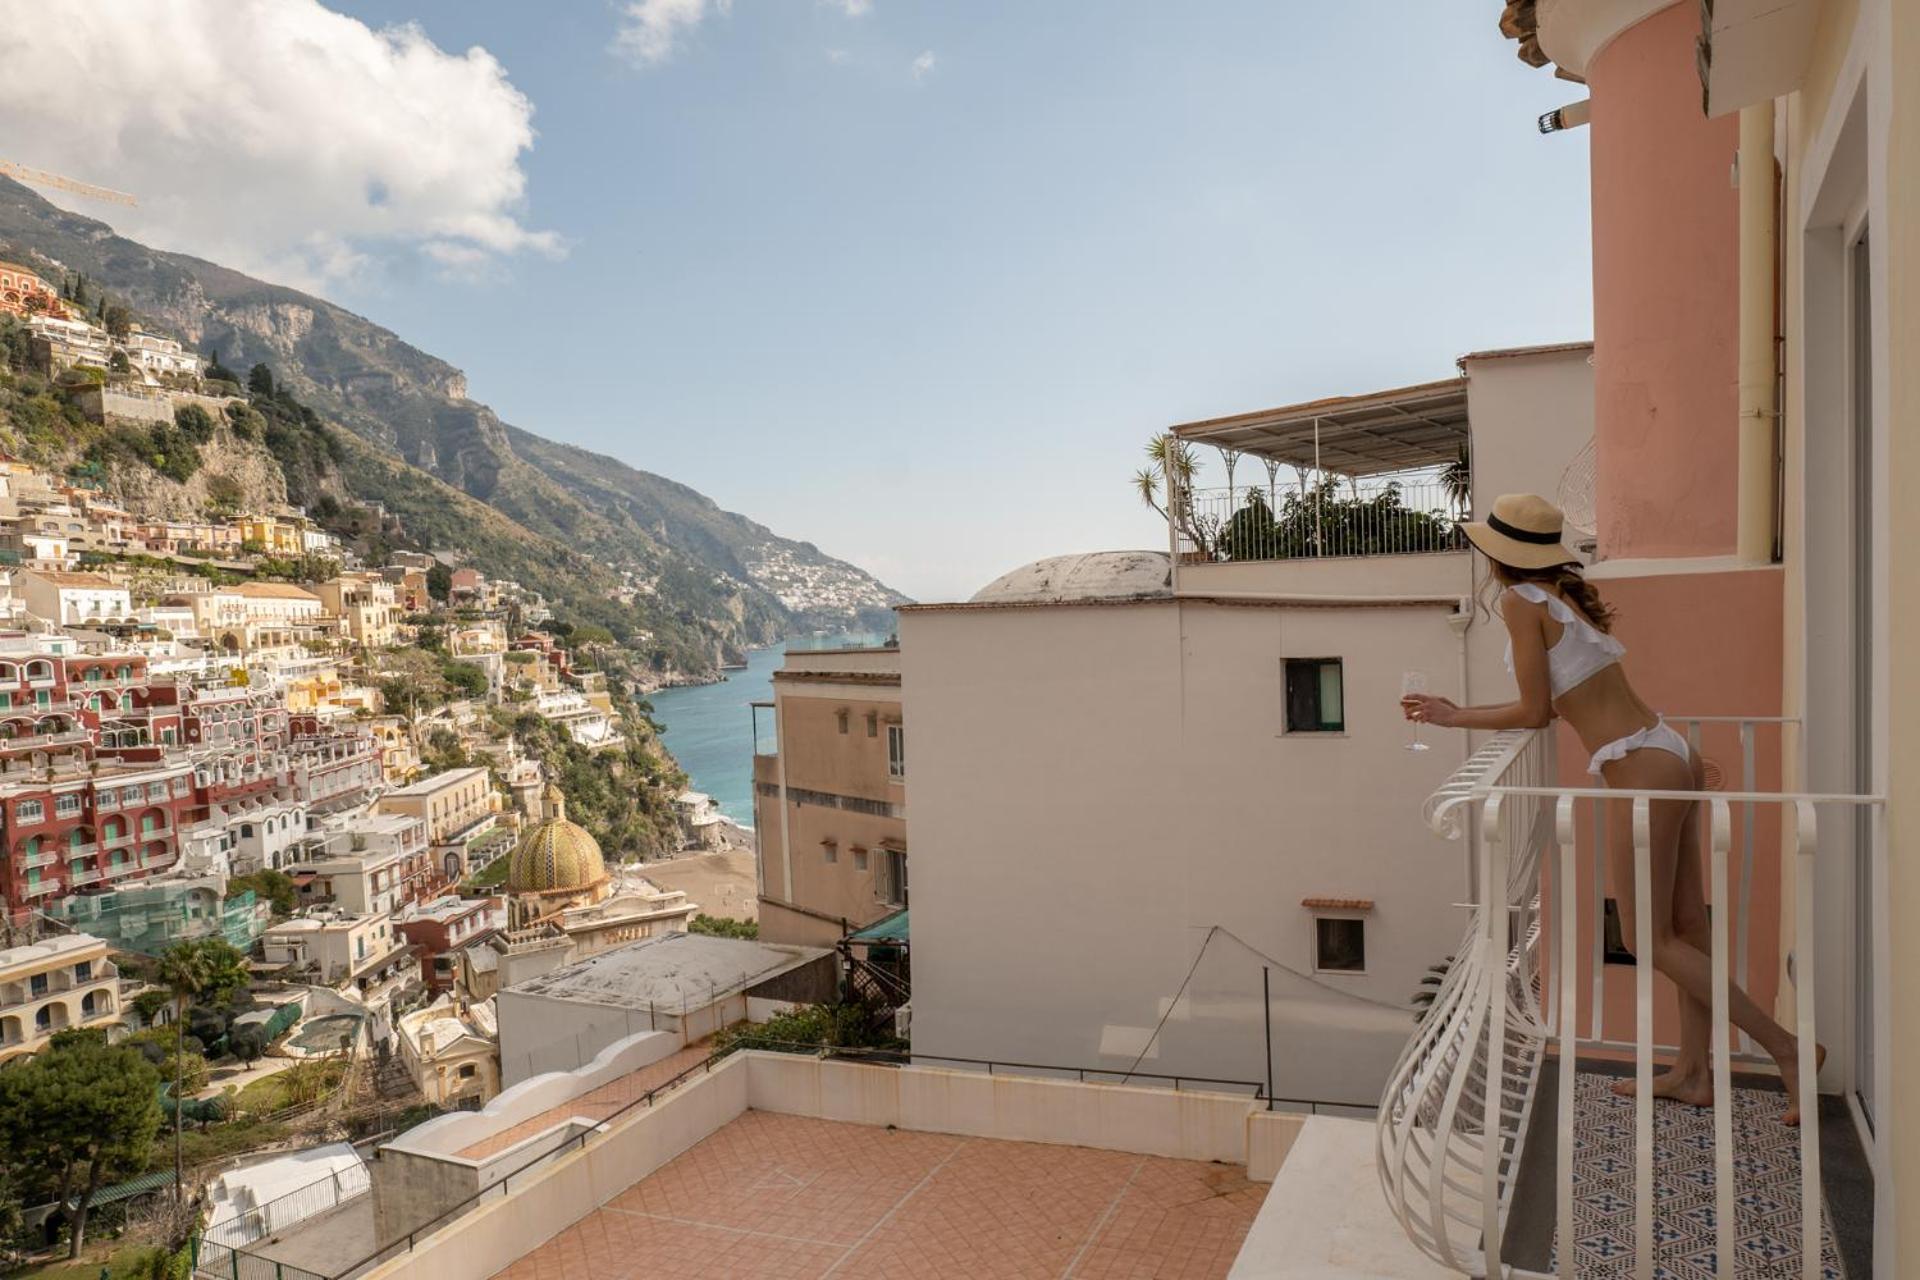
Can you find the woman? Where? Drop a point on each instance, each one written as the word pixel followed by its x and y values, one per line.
pixel 1567 664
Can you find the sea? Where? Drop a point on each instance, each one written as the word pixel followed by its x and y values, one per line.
pixel 709 727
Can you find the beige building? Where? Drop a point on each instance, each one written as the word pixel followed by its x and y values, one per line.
pixel 365 604
pixel 49 986
pixel 341 949
pixel 73 599
pixel 451 1049
pixel 458 806
pixel 830 798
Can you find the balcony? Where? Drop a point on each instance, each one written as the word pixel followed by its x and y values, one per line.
pixel 1501 1148
pixel 90 876
pixel 42 889
pixel 44 858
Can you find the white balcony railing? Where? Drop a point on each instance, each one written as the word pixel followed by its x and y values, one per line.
pixel 1455 1114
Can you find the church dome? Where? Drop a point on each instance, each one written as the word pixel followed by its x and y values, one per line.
pixel 1097 575
pixel 556 856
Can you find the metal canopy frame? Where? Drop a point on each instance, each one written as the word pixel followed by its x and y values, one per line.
pixel 1404 429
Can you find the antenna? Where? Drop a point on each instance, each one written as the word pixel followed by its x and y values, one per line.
pixel 41 178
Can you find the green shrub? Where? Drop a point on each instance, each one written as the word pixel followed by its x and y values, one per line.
pixel 194 422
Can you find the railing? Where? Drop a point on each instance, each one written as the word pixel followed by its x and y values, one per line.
pixel 1454 1116
pixel 504 1186
pixel 322 1195
pixel 44 858
pixel 1388 516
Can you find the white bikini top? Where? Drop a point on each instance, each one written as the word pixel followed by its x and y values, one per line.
pixel 1582 649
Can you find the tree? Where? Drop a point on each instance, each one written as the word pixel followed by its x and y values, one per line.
pixel 260 381
pixel 117 320
pixel 82 1111
pixel 439 581
pixel 194 422
pixel 201 968
pixel 1171 469
pixel 722 927
pixel 411 683
pixel 275 888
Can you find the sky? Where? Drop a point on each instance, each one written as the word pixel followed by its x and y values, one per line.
pixel 913 281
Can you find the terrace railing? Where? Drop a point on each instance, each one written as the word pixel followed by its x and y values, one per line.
pixel 1386 517
pixel 1454 1116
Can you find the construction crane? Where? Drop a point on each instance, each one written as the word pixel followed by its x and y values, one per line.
pixel 41 178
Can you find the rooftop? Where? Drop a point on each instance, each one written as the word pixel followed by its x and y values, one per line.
pixel 435 782
pixel 1094 575
pixel 1378 433
pixel 793 1196
pixel 668 970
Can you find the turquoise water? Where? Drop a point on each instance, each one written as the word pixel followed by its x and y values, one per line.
pixel 709 727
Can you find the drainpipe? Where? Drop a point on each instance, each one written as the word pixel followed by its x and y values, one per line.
pixel 1758 406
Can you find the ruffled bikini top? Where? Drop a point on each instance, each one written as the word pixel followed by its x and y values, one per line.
pixel 1583 649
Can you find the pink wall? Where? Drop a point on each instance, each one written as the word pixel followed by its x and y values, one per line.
pixel 1665 297
pixel 1698 644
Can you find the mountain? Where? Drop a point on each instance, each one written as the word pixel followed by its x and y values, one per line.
pixel 691 571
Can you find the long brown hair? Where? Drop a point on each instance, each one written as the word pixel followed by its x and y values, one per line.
pixel 1568 580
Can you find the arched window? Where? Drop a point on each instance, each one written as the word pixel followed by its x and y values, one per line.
pixel 43 1018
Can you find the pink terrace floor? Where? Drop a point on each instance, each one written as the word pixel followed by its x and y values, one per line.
pixel 778 1197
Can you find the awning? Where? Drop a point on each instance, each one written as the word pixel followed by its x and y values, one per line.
pixel 893 929
pixel 1404 429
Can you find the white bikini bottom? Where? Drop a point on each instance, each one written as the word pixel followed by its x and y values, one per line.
pixel 1658 735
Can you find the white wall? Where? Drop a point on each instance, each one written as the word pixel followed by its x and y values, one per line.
pixel 539 1034
pixel 1096 787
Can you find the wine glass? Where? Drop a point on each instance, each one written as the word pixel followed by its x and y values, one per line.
pixel 1412 682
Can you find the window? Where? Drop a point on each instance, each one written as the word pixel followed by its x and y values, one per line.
pixel 1339 945
pixel 890 878
pixel 29 811
pixel 1315 702
pixel 896 751
pixel 841 717
pixel 466 1071
pixel 83 971
pixel 831 850
pixel 37 985
pixel 859 859
pixel 873 724
pixel 66 805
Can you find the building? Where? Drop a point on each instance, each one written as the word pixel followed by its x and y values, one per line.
pixel 458 806
pixel 438 930
pixel 151 916
pixel 49 986
pixel 451 1050
pixel 24 293
pixel 1179 775
pixel 366 605
pixel 830 827
pixel 60 343
pixel 368 863
pixel 74 599
pixel 155 356
pixel 687 984
pixel 361 953
pixel 278 615
pixel 273 535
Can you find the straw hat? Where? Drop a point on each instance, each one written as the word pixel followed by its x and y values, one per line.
pixel 1522 530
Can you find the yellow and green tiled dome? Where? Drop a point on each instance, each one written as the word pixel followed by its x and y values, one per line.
pixel 556 856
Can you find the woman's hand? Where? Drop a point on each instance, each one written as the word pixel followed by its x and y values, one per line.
pixel 1430 708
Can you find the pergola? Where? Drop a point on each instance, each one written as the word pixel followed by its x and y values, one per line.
pixel 1381 433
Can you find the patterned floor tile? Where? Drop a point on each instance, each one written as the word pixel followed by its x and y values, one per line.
pixel 1766 1173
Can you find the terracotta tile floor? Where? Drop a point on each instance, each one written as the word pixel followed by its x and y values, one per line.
pixel 778 1197
pixel 597 1105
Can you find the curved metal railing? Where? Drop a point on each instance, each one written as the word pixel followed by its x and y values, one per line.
pixel 1453 1118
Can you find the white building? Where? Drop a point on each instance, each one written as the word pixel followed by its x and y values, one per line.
pixel 1164 782
pixel 73 599
pixel 451 1049
pixel 152 354
pixel 265 838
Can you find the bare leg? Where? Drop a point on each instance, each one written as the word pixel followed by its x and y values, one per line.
pixel 1690 1078
pixel 1685 962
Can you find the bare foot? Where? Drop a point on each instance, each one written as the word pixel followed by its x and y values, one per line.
pixel 1695 1088
pixel 1790 1077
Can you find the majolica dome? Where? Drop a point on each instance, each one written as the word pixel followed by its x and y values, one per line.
pixel 556 856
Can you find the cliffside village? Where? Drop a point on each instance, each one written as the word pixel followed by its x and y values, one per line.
pixel 169 723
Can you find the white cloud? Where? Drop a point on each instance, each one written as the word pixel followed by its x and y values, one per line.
pixel 839 57
pixel 853 8
pixel 650 30
pixel 923 65
pixel 275 136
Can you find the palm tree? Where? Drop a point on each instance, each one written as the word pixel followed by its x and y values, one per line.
pixel 1172 468
pixel 187 970
pixel 1457 479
